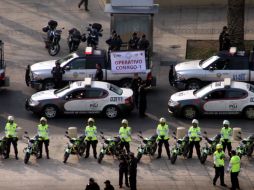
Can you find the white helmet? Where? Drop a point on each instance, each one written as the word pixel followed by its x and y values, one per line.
pixel 226 122
pixel 90 120
pixel 43 119
pixel 10 118
pixel 162 120
pixel 125 121
pixel 194 121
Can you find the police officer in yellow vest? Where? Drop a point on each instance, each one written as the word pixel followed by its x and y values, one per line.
pixel 234 168
pixel 91 137
pixel 194 134
pixel 42 131
pixel 10 133
pixel 218 160
pixel 163 137
pixel 226 135
pixel 125 135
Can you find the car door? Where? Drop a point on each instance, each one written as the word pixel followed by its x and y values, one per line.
pixel 214 102
pixel 75 70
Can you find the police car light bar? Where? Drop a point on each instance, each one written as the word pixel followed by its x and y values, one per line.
pixel 89 51
pixel 227 82
pixel 87 81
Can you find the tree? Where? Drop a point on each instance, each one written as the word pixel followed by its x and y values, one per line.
pixel 236 10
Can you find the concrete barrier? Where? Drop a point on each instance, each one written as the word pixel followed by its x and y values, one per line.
pixel 236 133
pixel 180 132
pixel 73 132
pixel 20 132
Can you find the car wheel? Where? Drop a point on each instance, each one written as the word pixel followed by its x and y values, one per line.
pixel 111 112
pixel 48 85
pixel 126 83
pixel 190 112
pixel 50 111
pixel 249 112
pixel 193 85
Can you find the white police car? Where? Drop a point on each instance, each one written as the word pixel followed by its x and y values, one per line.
pixel 226 97
pixel 82 97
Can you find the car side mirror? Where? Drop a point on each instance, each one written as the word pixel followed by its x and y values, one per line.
pixel 67 97
pixel 205 98
pixel 211 68
pixel 67 68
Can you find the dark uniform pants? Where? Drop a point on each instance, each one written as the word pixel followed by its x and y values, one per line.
pixel 126 145
pixel 133 180
pixel 219 172
pixel 197 146
pixel 46 144
pixel 123 172
pixel 227 145
pixel 94 145
pixel 85 3
pixel 166 144
pixel 234 180
pixel 14 142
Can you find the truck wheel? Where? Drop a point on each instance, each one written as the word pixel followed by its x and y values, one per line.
pixel 126 83
pixel 249 112
pixel 193 84
pixel 50 111
pixel 48 84
pixel 111 112
pixel 190 112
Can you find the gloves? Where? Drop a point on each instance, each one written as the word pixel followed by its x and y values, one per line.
pixel 162 137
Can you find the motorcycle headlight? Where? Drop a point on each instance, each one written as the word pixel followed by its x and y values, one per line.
pixel 173 103
pixel 33 102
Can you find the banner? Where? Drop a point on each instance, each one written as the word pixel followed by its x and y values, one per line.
pixel 128 62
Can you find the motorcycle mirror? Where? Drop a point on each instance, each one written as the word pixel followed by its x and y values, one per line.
pixel 66 132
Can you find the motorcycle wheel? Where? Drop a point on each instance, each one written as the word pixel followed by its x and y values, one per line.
pixel 66 156
pixel 154 149
pixel 173 158
pixel 101 155
pixel 54 49
pixel 26 159
pixel 203 158
pixel 82 150
pixel 249 152
pixel 139 156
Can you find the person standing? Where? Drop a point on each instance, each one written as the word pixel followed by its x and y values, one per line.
pixel 133 42
pixel 234 169
pixel 163 137
pixel 171 75
pixel 99 72
pixel 85 2
pixel 91 137
pixel 11 135
pixel 108 186
pixel 133 171
pixel 142 103
pixel 218 160
pixel 224 39
pixel 194 134
pixel 226 135
pixel 136 81
pixel 57 73
pixel 42 131
pixel 123 171
pixel 92 185
pixel 125 135
pixel 143 43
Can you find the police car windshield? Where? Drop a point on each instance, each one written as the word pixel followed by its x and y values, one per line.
pixel 251 88
pixel 203 91
pixel 66 58
pixel 209 61
pixel 115 89
pixel 62 89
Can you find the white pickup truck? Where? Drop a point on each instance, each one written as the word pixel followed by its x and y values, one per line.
pixel 80 65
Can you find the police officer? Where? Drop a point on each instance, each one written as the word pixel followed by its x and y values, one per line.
pixel 224 39
pixel 218 160
pixel 91 137
pixel 133 42
pixel 123 171
pixel 163 137
pixel 85 2
pixel 10 133
pixel 143 43
pixel 57 73
pixel 42 131
pixel 125 135
pixel 234 169
pixel 99 73
pixel 194 134
pixel 133 171
pixel 136 82
pixel 226 135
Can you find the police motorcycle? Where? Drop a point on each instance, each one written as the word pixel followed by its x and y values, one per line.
pixel 32 147
pixel 181 147
pixel 53 37
pixel 76 146
pixel 209 149
pixel 94 32
pixel 148 146
pixel 74 39
pixel 110 146
pixel 246 146
pixel 3 146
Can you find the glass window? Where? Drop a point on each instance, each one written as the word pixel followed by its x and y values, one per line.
pixel 209 61
pixel 95 93
pixel 239 63
pixel 236 94
pixel 115 89
pixel 62 60
pixel 216 95
pixel 92 61
pixel 221 64
pixel 77 64
pixel 251 88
